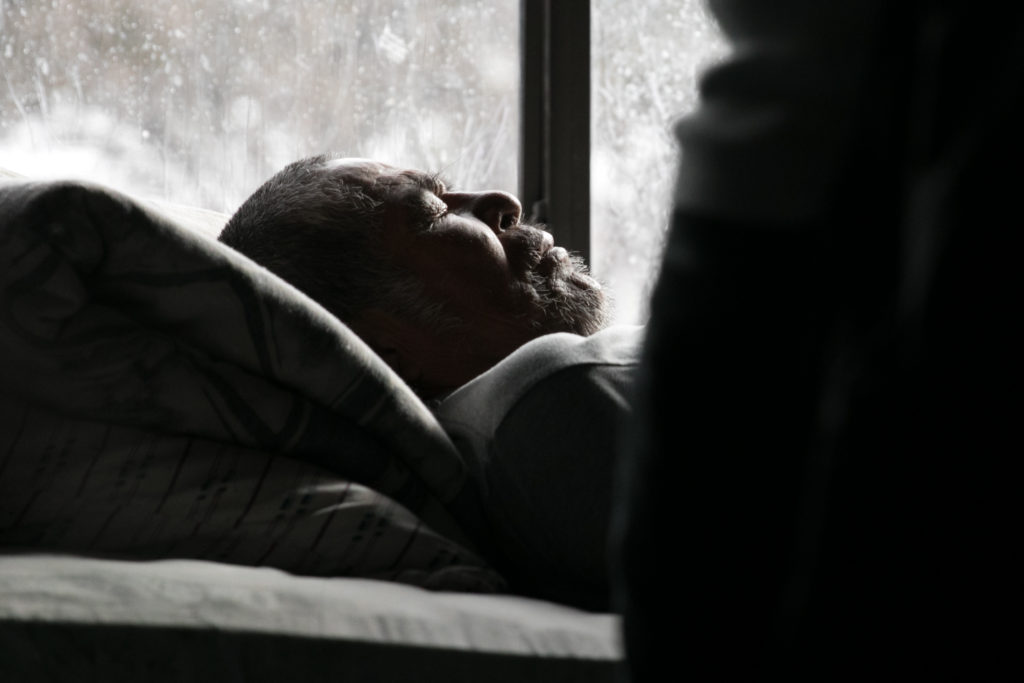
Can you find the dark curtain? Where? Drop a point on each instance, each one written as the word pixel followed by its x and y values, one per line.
pixel 819 485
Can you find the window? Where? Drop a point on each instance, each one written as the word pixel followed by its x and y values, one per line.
pixel 199 101
pixel 645 65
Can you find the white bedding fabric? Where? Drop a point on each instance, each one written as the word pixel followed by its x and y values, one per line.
pixel 112 620
pixel 201 594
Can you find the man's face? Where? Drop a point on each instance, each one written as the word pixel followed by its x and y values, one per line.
pixel 505 281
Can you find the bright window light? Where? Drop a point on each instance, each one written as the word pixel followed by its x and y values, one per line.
pixel 199 101
pixel 646 61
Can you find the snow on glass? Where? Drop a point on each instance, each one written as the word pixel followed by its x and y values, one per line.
pixel 199 101
pixel 646 60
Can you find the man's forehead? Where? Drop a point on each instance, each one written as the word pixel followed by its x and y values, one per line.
pixel 370 173
pixel 357 168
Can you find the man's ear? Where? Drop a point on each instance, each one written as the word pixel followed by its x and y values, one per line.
pixel 394 339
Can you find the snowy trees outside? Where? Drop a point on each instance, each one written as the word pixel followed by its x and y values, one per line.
pixel 647 58
pixel 199 101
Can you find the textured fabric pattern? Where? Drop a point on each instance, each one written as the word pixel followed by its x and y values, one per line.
pixel 118 323
pixel 95 488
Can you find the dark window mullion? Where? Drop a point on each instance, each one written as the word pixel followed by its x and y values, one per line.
pixel 555 138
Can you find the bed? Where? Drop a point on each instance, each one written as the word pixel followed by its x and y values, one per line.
pixel 204 475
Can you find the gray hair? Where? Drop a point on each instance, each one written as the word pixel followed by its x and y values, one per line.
pixel 310 228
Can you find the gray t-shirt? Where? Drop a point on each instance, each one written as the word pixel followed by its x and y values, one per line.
pixel 540 432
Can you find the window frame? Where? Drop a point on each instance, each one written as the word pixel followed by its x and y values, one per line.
pixel 554 149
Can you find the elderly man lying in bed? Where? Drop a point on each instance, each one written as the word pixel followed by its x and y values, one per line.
pixel 500 331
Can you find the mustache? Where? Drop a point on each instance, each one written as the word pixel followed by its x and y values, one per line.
pixel 570 299
pixel 525 246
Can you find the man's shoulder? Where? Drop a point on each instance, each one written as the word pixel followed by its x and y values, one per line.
pixel 618 345
pixel 490 396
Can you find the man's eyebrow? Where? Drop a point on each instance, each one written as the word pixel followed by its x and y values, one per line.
pixel 430 182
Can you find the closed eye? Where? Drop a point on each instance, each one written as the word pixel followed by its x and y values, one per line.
pixel 431 215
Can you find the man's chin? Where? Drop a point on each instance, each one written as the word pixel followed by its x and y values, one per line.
pixel 573 301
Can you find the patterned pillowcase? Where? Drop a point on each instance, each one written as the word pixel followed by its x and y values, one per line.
pixel 112 313
pixel 95 488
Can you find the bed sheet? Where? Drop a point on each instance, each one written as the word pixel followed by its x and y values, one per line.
pixel 81 618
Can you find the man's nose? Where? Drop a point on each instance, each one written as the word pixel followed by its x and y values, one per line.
pixel 499 210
